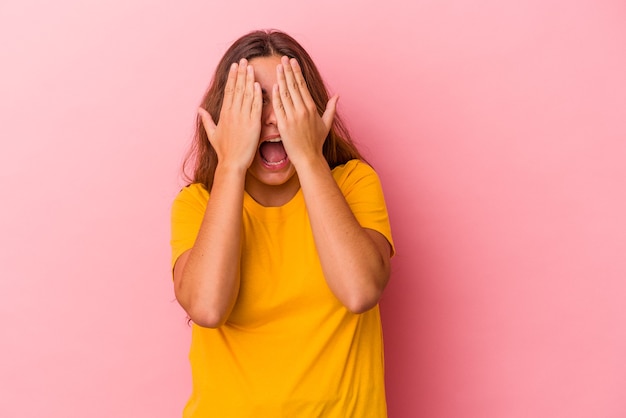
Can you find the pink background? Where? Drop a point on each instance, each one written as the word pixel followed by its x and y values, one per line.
pixel 498 130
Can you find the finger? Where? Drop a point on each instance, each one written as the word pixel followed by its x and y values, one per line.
pixel 229 89
pixel 257 103
pixel 277 104
pixel 329 113
pixel 248 96
pixel 284 95
pixel 207 122
pixel 301 83
pixel 240 83
pixel 291 82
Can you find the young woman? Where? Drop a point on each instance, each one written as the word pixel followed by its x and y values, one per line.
pixel 280 246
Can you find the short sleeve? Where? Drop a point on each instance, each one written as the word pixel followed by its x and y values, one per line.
pixel 186 217
pixel 361 187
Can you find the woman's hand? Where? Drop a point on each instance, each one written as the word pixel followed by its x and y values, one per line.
pixel 235 138
pixel 206 277
pixel 302 129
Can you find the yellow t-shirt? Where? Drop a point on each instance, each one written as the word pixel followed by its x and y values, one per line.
pixel 289 347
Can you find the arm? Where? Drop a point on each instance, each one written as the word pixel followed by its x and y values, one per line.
pixel 355 260
pixel 206 277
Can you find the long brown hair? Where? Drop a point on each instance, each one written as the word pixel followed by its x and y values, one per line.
pixel 338 147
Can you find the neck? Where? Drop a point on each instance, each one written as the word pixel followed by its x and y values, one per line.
pixel 269 195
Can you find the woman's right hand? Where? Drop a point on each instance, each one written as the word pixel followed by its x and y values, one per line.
pixel 235 138
pixel 206 277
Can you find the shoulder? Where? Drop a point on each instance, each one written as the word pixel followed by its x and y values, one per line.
pixel 192 195
pixel 353 169
pixel 355 173
pixel 193 191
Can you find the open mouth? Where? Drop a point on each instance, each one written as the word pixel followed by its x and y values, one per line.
pixel 273 152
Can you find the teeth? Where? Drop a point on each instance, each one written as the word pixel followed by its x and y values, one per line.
pixel 274 140
pixel 275 163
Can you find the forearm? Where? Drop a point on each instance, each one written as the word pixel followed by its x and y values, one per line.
pixel 355 261
pixel 207 282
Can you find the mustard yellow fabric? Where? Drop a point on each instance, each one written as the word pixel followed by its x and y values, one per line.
pixel 289 347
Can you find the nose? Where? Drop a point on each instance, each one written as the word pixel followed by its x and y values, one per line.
pixel 269 118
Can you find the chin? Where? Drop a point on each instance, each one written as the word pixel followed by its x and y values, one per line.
pixel 272 188
pixel 273 177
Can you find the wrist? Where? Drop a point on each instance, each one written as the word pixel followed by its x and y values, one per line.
pixel 311 165
pixel 310 160
pixel 231 171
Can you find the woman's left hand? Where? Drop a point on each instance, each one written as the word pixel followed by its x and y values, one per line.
pixel 303 131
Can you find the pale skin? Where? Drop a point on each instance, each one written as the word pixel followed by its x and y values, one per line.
pixel 267 98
